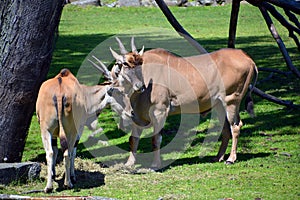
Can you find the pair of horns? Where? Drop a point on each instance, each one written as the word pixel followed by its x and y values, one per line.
pixel 118 57
pixel 122 48
pixel 124 51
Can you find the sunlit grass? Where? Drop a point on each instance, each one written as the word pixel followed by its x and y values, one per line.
pixel 268 149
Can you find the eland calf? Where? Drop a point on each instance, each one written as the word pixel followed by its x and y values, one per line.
pixel 64 107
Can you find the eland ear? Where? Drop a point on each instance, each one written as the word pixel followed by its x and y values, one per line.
pixel 116 55
pixel 142 51
pixel 115 71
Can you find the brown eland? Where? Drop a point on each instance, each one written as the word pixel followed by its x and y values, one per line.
pixel 64 107
pixel 159 84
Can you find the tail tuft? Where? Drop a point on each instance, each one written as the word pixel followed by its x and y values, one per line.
pixel 249 105
pixel 64 72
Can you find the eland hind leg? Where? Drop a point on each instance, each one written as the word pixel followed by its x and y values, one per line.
pixel 55 153
pixel 226 133
pixel 236 125
pixel 72 161
pixel 47 139
pixel 67 146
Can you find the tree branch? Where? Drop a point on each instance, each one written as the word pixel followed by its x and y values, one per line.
pixel 284 22
pixel 176 25
pixel 233 23
pixel 273 99
pixel 292 17
pixel 279 41
pixel 264 69
pixel 291 5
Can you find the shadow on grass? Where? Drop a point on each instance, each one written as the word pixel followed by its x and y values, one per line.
pixel 70 51
pixel 281 120
pixel 84 180
pixel 209 159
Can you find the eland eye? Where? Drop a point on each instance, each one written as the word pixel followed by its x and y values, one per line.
pixel 120 65
pixel 126 64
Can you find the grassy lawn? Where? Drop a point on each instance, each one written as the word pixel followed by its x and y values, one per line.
pixel 268 165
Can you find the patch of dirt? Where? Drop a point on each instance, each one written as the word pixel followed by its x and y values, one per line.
pixel 90 174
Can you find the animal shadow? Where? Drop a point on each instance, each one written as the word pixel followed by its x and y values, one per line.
pixel 84 180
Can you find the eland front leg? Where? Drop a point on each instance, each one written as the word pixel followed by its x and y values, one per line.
pixel 158 117
pixel 133 142
pixel 156 142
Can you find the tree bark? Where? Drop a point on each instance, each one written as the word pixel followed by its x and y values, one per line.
pixel 235 8
pixel 26 46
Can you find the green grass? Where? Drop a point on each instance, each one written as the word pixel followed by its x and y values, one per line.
pixel 269 145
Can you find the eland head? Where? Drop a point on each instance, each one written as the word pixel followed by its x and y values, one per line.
pixel 115 95
pixel 128 67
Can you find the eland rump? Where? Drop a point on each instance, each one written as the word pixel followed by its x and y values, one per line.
pixel 174 85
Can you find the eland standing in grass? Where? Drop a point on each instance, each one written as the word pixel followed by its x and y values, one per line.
pixel 64 107
pixel 159 84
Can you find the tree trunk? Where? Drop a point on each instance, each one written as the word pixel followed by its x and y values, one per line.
pixel 26 46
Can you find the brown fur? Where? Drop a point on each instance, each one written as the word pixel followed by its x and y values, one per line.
pixel 63 107
pixel 217 80
pixel 133 59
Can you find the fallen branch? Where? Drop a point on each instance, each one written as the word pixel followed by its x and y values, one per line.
pixel 273 99
pixel 264 69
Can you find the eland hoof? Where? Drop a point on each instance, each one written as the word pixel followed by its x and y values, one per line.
pixel 217 159
pixel 67 187
pixel 155 167
pixel 48 190
pixel 228 162
pixel 73 179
